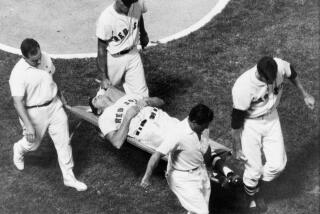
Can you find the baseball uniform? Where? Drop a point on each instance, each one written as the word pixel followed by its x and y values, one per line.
pixel 44 109
pixel 123 60
pixel 261 129
pixel 149 125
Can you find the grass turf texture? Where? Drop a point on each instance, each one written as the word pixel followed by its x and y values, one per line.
pixel 199 68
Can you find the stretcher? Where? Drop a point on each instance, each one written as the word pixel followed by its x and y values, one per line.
pixel 84 113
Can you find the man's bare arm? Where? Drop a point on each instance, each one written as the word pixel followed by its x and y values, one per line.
pixel 236 146
pixel 150 101
pixel 308 99
pixel 23 114
pixel 154 101
pixel 152 164
pixel 102 62
pixel 118 137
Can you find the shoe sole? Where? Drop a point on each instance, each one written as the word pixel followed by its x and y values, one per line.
pixel 20 169
pixel 79 190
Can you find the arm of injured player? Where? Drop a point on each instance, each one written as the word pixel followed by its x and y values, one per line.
pixel 150 101
pixel 118 137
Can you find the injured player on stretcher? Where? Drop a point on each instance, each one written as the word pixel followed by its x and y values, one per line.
pixel 122 115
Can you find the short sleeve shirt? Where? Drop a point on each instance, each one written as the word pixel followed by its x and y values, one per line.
pixel 256 97
pixel 183 146
pixel 120 30
pixel 35 84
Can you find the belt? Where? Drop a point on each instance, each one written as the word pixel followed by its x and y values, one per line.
pixel 42 105
pixel 143 122
pixel 123 52
pixel 186 170
pixel 263 115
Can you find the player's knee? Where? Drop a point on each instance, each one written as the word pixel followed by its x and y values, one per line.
pixel 272 172
pixel 277 168
pixel 251 178
pixel 251 182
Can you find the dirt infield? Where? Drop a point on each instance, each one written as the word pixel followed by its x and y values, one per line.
pixel 68 27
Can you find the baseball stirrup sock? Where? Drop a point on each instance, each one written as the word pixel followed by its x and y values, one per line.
pixel 251 191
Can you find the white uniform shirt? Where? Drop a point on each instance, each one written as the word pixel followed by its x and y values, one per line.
pixel 256 97
pixel 112 117
pixel 36 85
pixel 120 30
pixel 183 146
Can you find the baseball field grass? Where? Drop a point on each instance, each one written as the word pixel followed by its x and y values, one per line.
pixel 201 67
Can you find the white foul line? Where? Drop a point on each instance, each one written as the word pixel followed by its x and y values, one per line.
pixel 215 10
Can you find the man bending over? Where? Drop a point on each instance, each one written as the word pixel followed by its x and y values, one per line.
pixel 132 115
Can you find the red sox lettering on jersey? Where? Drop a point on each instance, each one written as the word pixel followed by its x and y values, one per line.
pixel 117 37
pixel 256 97
pixel 120 30
pixel 121 111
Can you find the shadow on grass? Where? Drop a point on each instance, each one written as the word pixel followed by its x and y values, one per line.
pixel 226 201
pixel 292 182
pixel 45 156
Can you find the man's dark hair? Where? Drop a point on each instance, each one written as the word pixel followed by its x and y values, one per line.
pixel 93 109
pixel 128 3
pixel 267 68
pixel 29 47
pixel 201 114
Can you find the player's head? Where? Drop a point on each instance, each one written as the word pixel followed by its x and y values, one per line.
pixel 267 69
pixel 128 3
pixel 200 116
pixel 123 6
pixel 104 99
pixel 99 103
pixel 31 52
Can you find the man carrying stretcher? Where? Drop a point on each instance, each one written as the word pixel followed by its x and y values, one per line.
pixel 122 115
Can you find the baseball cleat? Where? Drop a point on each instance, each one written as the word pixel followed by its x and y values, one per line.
pixel 256 204
pixel 78 185
pixel 251 207
pixel 261 204
pixel 18 158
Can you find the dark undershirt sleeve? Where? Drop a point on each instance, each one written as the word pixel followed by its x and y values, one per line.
pixel 237 118
pixel 102 41
pixel 293 73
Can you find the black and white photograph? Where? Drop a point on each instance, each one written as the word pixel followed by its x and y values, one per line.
pixel 159 107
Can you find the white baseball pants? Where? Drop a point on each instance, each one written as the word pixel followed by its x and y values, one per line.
pixel 192 189
pixel 128 69
pixel 54 119
pixel 263 133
